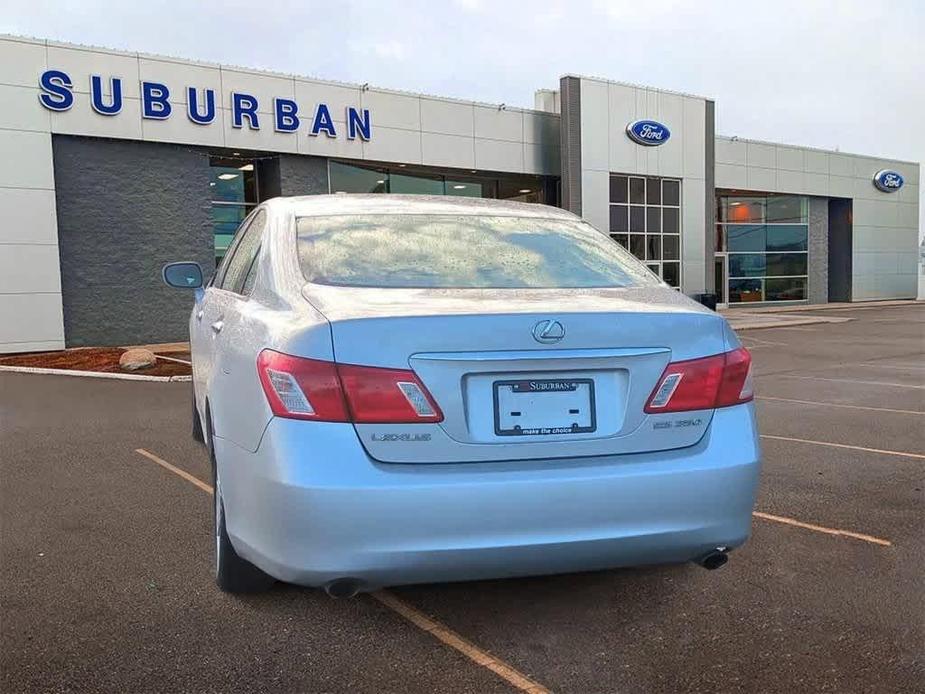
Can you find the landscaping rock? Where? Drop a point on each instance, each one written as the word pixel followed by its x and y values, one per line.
pixel 134 359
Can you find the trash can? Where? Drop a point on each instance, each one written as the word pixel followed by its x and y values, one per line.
pixel 708 300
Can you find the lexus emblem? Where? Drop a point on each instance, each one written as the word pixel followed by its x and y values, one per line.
pixel 548 331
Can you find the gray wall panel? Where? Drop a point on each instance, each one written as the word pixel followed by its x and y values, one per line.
pixel 818 290
pixel 302 175
pixel 570 142
pixel 124 210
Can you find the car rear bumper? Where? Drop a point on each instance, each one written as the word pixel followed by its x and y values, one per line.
pixel 310 507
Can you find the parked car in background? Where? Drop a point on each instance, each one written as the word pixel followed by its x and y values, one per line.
pixel 400 389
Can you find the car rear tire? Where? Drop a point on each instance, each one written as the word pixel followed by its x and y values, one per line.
pixel 232 573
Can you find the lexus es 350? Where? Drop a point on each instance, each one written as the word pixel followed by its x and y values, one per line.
pixel 399 389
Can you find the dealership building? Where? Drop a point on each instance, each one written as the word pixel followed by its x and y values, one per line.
pixel 117 163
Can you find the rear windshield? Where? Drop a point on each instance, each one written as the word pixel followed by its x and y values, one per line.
pixel 456 251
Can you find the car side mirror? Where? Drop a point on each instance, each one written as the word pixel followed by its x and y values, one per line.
pixel 185 275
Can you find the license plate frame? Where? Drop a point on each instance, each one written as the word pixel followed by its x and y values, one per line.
pixel 539 387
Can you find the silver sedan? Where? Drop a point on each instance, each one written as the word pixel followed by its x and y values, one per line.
pixel 399 389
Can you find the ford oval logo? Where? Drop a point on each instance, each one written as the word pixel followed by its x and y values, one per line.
pixel 648 132
pixel 888 181
pixel 548 331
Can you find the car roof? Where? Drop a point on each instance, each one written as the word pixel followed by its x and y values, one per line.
pixel 383 204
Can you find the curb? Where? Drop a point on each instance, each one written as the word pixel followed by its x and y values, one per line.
pixel 94 374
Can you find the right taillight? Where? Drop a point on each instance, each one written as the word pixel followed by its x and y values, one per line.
pixel 299 388
pixel 720 380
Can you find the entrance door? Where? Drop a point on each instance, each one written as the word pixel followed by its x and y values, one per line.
pixel 720 275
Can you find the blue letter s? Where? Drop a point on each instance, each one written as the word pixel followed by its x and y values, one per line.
pixel 56 90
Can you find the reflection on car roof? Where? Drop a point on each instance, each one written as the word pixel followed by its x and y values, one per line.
pixel 378 204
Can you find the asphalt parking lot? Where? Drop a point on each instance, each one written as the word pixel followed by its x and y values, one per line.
pixel 105 558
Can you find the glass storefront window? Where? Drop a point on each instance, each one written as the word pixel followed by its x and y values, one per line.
pixel 354 179
pixel 405 184
pixel 743 291
pixel 406 180
pixel 233 191
pixel 766 240
pixel 649 209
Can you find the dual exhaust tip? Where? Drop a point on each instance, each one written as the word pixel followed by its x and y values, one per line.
pixel 713 559
pixel 349 587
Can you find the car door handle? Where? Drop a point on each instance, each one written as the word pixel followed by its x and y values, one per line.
pixel 217 326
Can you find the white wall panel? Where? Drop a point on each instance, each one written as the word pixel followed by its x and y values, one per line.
pixel 816 162
pixel 693 141
pixel 790 158
pixel 731 176
pixel 178 76
pixel 447 150
pixel 83 120
pixel 447 118
pixel 731 151
pixel 21 109
pixel 388 110
pixel 761 155
pixel 595 127
pixel 761 179
pixel 595 199
pixel 492 155
pixel 264 88
pixel 30 318
pixel 26 158
pixel 337 98
pixel 28 217
pixel 180 129
pixel 622 111
pixel 541 159
pixel 541 128
pixel 29 268
pixel 267 138
pixel 21 62
pixel 392 144
pixel 790 181
pixel 80 64
pixel 494 124
pixel 319 145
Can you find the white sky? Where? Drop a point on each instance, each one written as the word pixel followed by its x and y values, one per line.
pixel 848 74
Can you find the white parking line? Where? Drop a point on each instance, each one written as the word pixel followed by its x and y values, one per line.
pixel 900 454
pixel 844 380
pixel 834 404
pixel 439 631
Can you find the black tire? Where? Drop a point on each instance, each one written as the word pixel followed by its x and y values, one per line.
pixel 197 422
pixel 232 573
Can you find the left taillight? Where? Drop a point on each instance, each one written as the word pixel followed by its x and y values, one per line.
pixel 720 380
pixel 300 388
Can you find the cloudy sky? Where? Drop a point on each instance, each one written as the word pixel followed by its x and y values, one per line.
pixel 847 74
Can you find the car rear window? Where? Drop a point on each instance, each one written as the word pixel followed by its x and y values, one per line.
pixel 463 251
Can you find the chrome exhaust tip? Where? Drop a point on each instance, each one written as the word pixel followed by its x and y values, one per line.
pixel 714 559
pixel 343 588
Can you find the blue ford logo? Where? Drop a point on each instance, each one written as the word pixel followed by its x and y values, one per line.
pixel 888 181
pixel 648 132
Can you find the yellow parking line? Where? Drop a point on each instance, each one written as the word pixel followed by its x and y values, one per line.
pixel 823 529
pixel 833 404
pixel 512 676
pixel 901 454
pixel 442 633
pixel 175 470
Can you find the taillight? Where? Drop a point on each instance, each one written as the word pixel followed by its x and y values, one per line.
pixel 703 384
pixel 301 388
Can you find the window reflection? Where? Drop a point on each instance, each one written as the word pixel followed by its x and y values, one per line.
pixel 649 209
pixel 766 238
